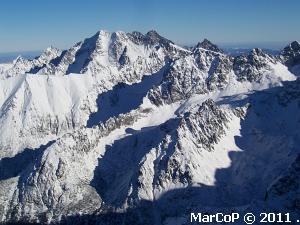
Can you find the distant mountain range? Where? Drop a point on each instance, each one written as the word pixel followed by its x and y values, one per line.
pixel 229 49
pixel 130 128
pixel 242 51
pixel 10 56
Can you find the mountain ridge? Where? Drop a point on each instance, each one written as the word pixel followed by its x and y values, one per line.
pixel 122 126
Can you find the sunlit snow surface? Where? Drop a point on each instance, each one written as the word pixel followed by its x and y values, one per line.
pixel 99 141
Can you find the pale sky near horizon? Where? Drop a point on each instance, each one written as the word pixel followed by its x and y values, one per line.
pixel 34 25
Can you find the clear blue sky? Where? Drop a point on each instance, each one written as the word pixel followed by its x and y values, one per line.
pixel 36 24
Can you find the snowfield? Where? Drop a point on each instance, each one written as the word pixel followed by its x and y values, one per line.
pixel 129 128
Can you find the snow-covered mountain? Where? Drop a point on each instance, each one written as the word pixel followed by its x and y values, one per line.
pixel 21 65
pixel 130 128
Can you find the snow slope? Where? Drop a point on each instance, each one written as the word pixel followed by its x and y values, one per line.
pixel 38 108
pixel 131 128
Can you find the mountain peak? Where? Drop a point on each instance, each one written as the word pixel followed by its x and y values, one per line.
pixel 295 45
pixel 292 47
pixel 124 121
pixel 291 54
pixel 50 51
pixel 51 48
pixel 102 32
pixel 19 59
pixel 257 51
pixel 206 41
pixel 152 33
pixel 153 37
pixel 208 45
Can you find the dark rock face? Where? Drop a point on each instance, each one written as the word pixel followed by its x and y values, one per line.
pixel 150 38
pixel 153 37
pixel 206 44
pixel 214 62
pixel 218 73
pixel 136 36
pixel 180 81
pixel 124 59
pixel 252 66
pixel 210 116
pixel 291 54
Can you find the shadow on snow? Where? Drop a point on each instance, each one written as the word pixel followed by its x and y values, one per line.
pixel 268 141
pixel 14 166
pixel 123 98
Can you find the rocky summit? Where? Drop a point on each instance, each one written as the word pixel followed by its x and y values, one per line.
pixel 131 128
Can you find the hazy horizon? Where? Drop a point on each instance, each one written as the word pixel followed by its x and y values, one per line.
pixel 30 25
pixel 240 45
pixel 276 46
